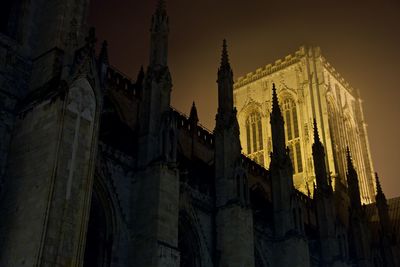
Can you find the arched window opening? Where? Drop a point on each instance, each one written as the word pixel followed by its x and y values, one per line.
pixel 293 134
pixel 338 139
pixel 188 243
pixel 254 137
pixel 99 239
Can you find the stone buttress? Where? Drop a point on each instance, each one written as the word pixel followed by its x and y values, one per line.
pixel 234 219
pixel 155 229
pixel 290 245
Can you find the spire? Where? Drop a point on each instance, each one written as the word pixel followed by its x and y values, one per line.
pixel 161 7
pixel 383 210
pixel 103 56
pixel 159 36
pixel 380 197
pixel 378 185
pixel 277 127
pixel 318 152
pixel 350 166
pixel 316 135
pixel 225 70
pixel 193 118
pixel 224 56
pixel 276 110
pixel 349 160
pixel 352 182
pixel 225 86
pixel 140 77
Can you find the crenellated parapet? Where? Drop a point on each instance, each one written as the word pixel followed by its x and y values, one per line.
pixel 118 81
pixel 338 77
pixel 206 137
pixel 253 167
pixel 203 134
pixel 278 65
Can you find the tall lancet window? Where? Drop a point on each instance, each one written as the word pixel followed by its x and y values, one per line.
pixel 292 133
pixel 254 138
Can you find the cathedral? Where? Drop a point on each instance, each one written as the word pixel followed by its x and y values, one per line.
pixel 98 170
pixel 309 87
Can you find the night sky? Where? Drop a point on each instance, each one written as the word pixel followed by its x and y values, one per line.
pixel 361 39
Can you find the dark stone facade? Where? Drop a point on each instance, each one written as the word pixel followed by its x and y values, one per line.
pixel 99 170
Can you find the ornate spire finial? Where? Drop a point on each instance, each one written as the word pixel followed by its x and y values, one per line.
pixel 225 70
pixel 349 160
pixel 275 101
pixel 352 182
pixel 159 37
pixel 224 57
pixel 140 76
pixel 225 90
pixel 316 135
pixel 193 114
pixel 161 7
pixel 378 185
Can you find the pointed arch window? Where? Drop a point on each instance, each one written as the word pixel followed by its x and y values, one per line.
pixel 254 137
pixel 293 133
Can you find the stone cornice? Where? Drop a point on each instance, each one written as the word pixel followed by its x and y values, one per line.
pixel 270 68
pixel 338 77
pixel 289 60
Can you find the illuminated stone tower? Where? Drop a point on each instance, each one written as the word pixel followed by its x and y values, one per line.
pixel 308 87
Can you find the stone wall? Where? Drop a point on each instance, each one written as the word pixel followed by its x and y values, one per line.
pixel 14 78
pixel 31 169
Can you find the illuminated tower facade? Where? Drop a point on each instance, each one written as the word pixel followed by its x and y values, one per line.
pixel 308 87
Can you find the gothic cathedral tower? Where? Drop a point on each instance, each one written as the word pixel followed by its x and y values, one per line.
pixel 308 87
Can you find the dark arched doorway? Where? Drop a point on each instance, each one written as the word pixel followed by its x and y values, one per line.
pixel 188 243
pixel 98 238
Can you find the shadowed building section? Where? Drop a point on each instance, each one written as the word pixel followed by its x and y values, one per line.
pixel 98 170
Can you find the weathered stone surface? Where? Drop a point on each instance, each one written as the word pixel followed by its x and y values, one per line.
pixel 99 170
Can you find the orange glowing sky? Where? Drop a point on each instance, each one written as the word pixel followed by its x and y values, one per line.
pixel 361 39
